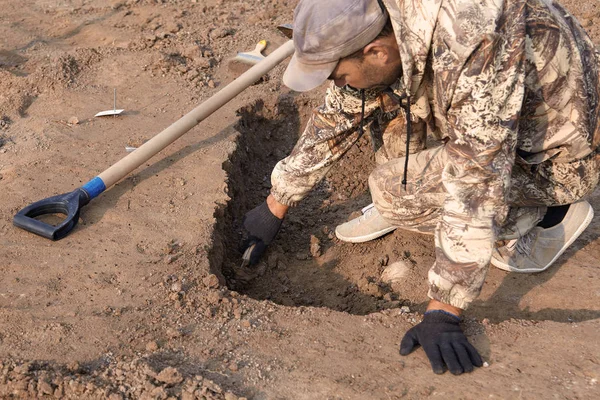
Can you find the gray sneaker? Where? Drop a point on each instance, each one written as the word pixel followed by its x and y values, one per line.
pixel 368 226
pixel 541 247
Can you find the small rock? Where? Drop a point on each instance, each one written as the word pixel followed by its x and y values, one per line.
pixel 230 396
pixel 214 297
pixel 261 269
pixel 152 346
pixel 395 272
pixel 485 322
pixel 211 84
pixel 273 260
pixel 220 33
pixel 73 366
pixel 485 364
pixel 192 52
pixel 170 376
pixel 234 367
pixel 116 4
pixel 211 281
pixel 45 388
pixel 173 333
pixel 173 27
pixel 73 121
pixel 315 246
pixel 383 261
pixel 404 310
pixel 246 323
pixel 237 313
pixel 176 287
pixel 169 258
pixel 22 369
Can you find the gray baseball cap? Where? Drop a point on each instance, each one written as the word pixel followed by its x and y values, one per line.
pixel 326 31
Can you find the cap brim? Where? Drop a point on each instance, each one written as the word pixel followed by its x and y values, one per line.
pixel 303 77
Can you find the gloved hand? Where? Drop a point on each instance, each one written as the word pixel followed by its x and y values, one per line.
pixel 261 228
pixel 444 343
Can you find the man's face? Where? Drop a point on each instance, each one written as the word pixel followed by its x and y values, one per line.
pixel 366 73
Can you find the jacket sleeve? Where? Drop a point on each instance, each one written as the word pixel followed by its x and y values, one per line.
pixel 482 125
pixel 331 131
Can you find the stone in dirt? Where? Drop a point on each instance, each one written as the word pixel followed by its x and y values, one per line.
pixel 211 281
pixel 395 272
pixel 315 246
pixel 170 376
pixel 152 345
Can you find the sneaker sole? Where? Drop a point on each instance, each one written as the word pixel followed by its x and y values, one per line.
pixel 364 238
pixel 578 232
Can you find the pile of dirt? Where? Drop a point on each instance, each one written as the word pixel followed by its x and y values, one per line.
pixel 111 379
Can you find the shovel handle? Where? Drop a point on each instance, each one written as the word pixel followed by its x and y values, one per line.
pixel 70 204
pixel 194 117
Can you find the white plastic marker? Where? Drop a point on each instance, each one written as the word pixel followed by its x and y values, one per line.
pixel 114 111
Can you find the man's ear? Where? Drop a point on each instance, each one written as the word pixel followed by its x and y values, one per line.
pixel 377 51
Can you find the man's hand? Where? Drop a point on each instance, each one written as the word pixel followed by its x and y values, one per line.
pixel 444 343
pixel 262 224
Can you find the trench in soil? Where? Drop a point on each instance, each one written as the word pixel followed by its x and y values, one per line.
pixel 306 265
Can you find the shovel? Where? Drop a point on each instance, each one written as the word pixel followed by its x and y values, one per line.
pixel 70 204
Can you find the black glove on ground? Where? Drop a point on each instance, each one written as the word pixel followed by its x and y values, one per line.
pixel 444 343
pixel 261 227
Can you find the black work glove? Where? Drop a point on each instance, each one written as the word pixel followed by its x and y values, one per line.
pixel 444 343
pixel 261 228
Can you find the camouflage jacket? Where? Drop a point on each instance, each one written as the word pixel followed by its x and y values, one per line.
pixel 501 81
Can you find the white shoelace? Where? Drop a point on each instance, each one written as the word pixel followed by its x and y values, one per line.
pixel 367 213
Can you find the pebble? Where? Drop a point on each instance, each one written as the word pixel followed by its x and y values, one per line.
pixel 315 246
pixel 152 346
pixel 45 388
pixel 73 121
pixel 395 272
pixel 405 309
pixel 230 396
pixel 173 333
pixel 176 287
pixel 170 376
pixel 383 261
pixel 273 261
pixel 169 258
pixel 211 281
pixel 246 323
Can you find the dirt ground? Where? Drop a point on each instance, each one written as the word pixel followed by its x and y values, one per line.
pixel 146 299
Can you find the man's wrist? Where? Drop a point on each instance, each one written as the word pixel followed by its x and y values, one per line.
pixel 438 305
pixel 277 209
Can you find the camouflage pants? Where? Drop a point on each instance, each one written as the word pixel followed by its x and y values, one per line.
pixel 534 187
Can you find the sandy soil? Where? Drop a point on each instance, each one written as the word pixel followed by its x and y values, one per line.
pixel 146 299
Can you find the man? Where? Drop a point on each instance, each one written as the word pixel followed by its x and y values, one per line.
pixel 510 89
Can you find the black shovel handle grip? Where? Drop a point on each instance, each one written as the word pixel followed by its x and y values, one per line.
pixel 68 204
